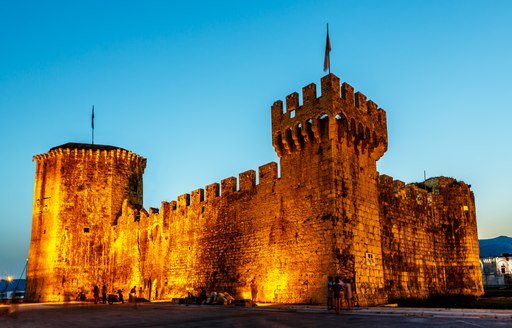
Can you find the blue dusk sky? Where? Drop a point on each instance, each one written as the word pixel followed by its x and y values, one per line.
pixel 189 84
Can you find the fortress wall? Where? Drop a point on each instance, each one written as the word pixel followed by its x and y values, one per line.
pixel 327 213
pixel 343 135
pixel 429 241
pixel 459 229
pixel 284 236
pixel 360 229
pixel 82 187
pixel 46 231
pixel 255 237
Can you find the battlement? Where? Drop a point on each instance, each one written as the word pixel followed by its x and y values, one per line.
pixel 246 182
pixel 92 152
pixel 423 192
pixel 337 114
pixel 402 190
pixel 261 234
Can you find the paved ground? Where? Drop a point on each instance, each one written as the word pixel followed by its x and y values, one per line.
pixel 173 315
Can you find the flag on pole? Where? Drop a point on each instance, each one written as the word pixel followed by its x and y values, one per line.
pixel 92 124
pixel 327 59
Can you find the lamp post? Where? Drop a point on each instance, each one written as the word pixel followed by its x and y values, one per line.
pixel 7 281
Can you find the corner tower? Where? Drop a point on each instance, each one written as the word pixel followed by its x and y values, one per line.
pixel 330 144
pixel 78 194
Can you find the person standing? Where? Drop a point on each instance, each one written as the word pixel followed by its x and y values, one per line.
pixel 202 297
pixel 104 294
pixel 349 297
pixel 254 291
pixel 132 296
pixel 330 292
pixel 338 294
pixel 96 293
pixel 120 293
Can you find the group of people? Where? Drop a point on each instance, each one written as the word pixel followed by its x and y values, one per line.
pixel 96 293
pixel 337 291
pixel 214 298
pixel 103 300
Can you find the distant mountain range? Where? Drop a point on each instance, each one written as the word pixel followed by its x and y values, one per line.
pixel 495 246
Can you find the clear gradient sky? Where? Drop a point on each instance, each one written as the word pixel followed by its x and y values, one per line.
pixel 189 85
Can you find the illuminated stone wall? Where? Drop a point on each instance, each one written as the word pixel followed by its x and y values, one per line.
pixel 78 193
pixel 278 232
pixel 429 238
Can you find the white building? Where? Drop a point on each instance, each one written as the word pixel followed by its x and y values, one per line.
pixel 497 271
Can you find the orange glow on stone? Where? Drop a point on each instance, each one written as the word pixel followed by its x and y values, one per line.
pixel 272 235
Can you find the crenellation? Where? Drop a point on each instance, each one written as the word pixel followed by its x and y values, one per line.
pixel 381 117
pixel 228 186
pixel 267 173
pixel 165 208
pixel 360 102
pixel 183 200
pixel 277 110
pixel 197 196
pixel 212 191
pixel 94 152
pixel 347 93
pixel 328 117
pixel 330 85
pixel 292 102
pixel 309 97
pixel 323 210
pixel 247 180
pixel 372 108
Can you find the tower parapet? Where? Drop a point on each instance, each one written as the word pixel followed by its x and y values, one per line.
pixel 78 195
pixel 337 114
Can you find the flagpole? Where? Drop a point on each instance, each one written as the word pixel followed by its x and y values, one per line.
pixel 329 53
pixel 327 58
pixel 92 124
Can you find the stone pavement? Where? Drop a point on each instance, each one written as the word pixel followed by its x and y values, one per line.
pixel 422 312
pixel 436 312
pixel 173 315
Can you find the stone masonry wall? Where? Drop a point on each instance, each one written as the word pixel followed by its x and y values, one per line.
pixel 78 195
pixel 333 142
pixel 281 236
pixel 429 239
pixel 273 235
pixel 229 242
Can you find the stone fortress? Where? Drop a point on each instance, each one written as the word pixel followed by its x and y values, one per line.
pixel 276 233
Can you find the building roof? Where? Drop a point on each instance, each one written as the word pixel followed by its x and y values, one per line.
pixel 74 145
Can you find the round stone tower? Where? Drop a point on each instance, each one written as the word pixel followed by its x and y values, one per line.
pixel 79 190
